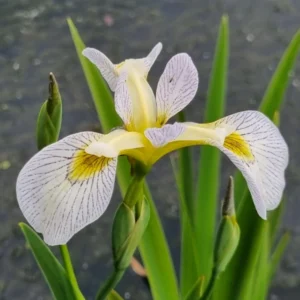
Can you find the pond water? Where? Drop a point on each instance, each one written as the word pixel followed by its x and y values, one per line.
pixel 35 40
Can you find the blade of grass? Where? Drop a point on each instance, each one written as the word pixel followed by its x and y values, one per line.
pixel 275 92
pixel 189 263
pixel 53 272
pixel 260 278
pixel 157 258
pixel 196 290
pixel 159 266
pixel 113 295
pixel 274 218
pixel 101 95
pixel 277 254
pixel 208 182
pixel 255 268
pixel 185 178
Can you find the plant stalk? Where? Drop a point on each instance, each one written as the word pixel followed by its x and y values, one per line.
pixel 211 284
pixel 70 271
pixel 109 284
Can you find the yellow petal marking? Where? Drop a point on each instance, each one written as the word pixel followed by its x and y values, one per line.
pixel 237 144
pixel 86 165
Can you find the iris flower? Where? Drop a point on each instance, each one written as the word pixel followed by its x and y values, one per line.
pixel 69 184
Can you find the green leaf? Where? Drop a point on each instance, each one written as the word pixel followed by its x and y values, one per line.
pixel 113 295
pixel 185 175
pixel 196 290
pixel 102 97
pixel 189 263
pixel 52 270
pixel 261 270
pixel 255 267
pixel 275 92
pixel 274 219
pixel 158 263
pixel 277 254
pixel 160 269
pixel 208 182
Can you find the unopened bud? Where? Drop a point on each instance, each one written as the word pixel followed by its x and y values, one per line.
pixel 49 119
pixel 128 229
pixel 228 234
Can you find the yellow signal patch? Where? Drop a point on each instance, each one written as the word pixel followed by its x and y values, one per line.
pixel 85 165
pixel 237 144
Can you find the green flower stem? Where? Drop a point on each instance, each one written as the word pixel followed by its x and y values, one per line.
pixel 135 191
pixel 109 284
pixel 211 284
pixel 70 271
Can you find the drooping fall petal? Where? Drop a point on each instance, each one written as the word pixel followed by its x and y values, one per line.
pixel 69 184
pixel 259 151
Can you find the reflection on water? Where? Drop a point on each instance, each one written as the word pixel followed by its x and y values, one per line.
pixel 35 40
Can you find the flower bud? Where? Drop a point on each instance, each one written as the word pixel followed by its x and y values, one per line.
pixel 49 119
pixel 128 229
pixel 228 234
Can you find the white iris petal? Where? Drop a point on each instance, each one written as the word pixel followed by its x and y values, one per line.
pixel 110 71
pixel 105 66
pixel 259 151
pixel 62 189
pixel 176 87
pixel 159 137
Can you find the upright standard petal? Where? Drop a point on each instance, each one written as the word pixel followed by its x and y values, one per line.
pixel 140 65
pixel 151 58
pixel 259 151
pixel 111 71
pixel 106 67
pixel 135 101
pixel 62 188
pixel 176 87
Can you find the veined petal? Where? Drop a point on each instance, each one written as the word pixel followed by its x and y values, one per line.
pixel 123 103
pixel 62 188
pixel 117 142
pixel 106 67
pixel 152 56
pixel 164 135
pixel 135 101
pixel 110 71
pixel 141 66
pixel 258 150
pixel 172 137
pixel 176 87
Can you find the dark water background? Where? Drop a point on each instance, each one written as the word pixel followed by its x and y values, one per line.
pixel 34 40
